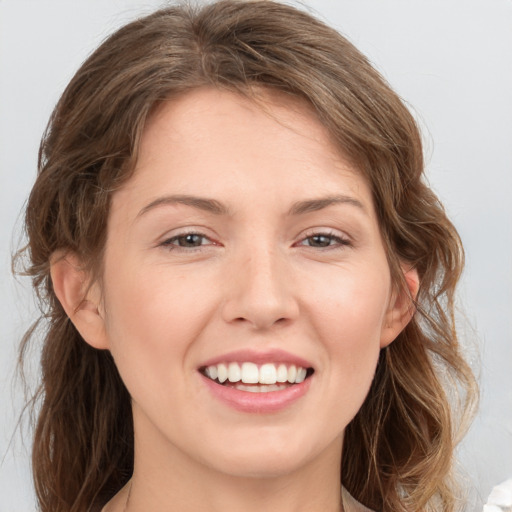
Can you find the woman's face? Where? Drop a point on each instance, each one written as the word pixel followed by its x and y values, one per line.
pixel 244 247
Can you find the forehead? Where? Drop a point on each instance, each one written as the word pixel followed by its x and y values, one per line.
pixel 219 143
pixel 198 115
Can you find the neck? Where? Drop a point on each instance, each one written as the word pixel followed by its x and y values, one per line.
pixel 250 495
pixel 168 476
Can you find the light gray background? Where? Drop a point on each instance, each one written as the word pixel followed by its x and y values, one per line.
pixel 450 59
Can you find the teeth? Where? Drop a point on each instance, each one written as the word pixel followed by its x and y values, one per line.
pixel 267 374
pixel 292 374
pixel 250 373
pixel 301 375
pixel 234 372
pixel 261 389
pixel 282 373
pixel 222 372
pixel 212 372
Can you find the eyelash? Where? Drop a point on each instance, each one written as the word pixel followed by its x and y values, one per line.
pixel 169 243
pixel 340 241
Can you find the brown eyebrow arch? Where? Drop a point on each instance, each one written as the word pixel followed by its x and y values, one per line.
pixel 313 205
pixel 217 208
pixel 208 205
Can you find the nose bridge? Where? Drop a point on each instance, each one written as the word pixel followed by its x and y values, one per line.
pixel 261 291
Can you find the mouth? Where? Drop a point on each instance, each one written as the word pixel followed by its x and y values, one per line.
pixel 257 378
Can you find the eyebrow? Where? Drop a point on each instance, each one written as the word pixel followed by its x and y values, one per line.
pixel 313 205
pixel 201 203
pixel 218 208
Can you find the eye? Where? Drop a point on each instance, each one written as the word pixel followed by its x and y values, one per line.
pixel 187 241
pixel 324 240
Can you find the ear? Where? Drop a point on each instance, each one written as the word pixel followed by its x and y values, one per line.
pixel 401 307
pixel 80 298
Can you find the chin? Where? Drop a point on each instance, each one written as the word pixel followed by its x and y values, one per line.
pixel 271 458
pixel 265 467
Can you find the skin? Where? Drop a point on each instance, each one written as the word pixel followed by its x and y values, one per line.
pixel 258 280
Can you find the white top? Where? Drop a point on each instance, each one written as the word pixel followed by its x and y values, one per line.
pixel 350 504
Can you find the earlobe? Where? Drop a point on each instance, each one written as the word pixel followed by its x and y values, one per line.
pixel 402 307
pixel 80 300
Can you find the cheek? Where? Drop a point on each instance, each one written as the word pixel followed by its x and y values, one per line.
pixel 353 300
pixel 151 322
pixel 349 315
pixel 152 301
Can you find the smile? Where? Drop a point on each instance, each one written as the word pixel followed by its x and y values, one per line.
pixel 257 388
pixel 249 376
pixel 257 381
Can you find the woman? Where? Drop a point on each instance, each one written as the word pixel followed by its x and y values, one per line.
pixel 249 286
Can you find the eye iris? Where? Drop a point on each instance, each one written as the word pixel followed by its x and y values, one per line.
pixel 190 240
pixel 320 240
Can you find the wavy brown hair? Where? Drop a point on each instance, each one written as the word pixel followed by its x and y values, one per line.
pixel 398 450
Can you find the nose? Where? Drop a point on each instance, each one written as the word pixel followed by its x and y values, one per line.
pixel 260 292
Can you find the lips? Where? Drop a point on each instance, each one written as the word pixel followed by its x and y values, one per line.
pixel 257 382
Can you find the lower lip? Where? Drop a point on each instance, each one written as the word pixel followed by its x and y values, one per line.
pixel 262 403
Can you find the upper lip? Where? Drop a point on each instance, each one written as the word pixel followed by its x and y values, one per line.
pixel 258 357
